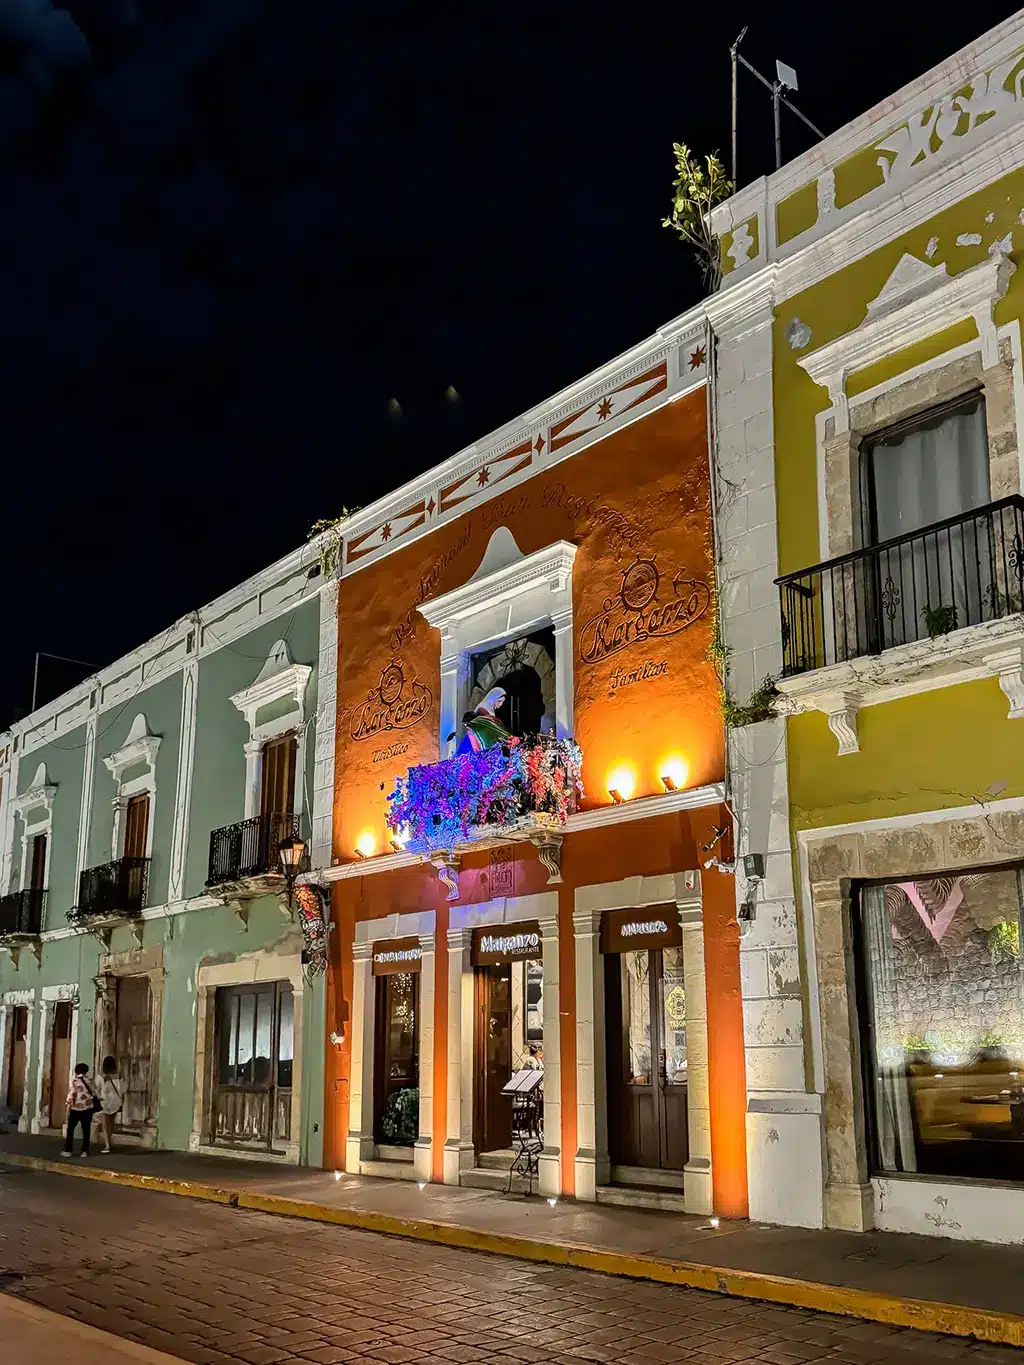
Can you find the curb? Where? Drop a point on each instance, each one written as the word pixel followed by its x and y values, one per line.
pixel 922 1314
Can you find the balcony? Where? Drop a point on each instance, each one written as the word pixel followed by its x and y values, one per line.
pixel 520 791
pixel 110 894
pixel 935 606
pixel 244 858
pixel 21 915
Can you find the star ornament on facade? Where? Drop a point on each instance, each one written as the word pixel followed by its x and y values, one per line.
pixel 385 531
pixel 604 409
pixel 697 358
pixel 483 477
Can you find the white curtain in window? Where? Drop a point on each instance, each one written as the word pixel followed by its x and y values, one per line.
pixel 893 1118
pixel 936 470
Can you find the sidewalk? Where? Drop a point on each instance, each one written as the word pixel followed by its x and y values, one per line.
pixel 31 1335
pixel 961 1288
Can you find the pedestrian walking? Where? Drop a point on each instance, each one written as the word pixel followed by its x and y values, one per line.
pixel 82 1104
pixel 112 1100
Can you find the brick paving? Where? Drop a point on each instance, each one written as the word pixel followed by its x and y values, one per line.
pixel 219 1286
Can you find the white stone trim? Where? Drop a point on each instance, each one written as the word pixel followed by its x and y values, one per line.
pixel 639 808
pixel 9 1002
pixel 917 302
pixel 278 679
pixel 49 998
pixel 253 969
pixel 8 787
pixel 38 796
pixel 509 595
pixel 85 805
pixel 592 1163
pixel 140 747
pixel 183 790
pixel 360 1146
pixel 458 1147
pixel 322 831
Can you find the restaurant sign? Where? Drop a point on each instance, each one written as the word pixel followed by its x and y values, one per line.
pixel 493 947
pixel 397 955
pixel 626 931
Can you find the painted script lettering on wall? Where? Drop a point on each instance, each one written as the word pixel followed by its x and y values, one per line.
pixel 646 607
pixel 394 704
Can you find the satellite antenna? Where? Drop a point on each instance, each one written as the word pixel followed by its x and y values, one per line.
pixel 785 79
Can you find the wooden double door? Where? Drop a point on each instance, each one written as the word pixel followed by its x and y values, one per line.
pixel 133 1050
pixel 255 1048
pixel 646 1050
pixel 60 1059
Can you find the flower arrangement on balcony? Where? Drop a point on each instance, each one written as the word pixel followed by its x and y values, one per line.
pixel 515 785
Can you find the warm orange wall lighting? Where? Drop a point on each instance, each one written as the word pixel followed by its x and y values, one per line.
pixel 674 772
pixel 621 783
pixel 366 845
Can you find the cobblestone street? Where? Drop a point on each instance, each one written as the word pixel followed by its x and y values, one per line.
pixel 218 1286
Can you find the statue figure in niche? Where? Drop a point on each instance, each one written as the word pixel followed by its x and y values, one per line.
pixel 483 728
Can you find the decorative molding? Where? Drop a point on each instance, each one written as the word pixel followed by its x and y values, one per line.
pixel 140 747
pixel 183 793
pixel 994 649
pixel 39 793
pixel 745 305
pixel 549 569
pixel 918 301
pixel 277 679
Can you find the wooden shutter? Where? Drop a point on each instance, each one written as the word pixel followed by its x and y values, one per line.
pixel 136 826
pixel 37 873
pixel 278 797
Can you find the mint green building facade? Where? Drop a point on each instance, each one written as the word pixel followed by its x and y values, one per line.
pixel 144 910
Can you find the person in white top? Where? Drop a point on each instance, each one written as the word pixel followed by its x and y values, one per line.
pixel 111 1098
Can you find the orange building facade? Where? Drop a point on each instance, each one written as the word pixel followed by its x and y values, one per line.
pixel 530 810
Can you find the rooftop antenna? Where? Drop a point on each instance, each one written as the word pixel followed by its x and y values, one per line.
pixel 785 79
pixel 61 658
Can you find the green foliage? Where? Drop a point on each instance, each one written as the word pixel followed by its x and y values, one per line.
pixel 938 620
pixel 400 1122
pixel 760 705
pixel 696 190
pixel 330 549
pixel 1004 940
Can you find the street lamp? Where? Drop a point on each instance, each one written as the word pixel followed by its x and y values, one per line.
pixel 291 853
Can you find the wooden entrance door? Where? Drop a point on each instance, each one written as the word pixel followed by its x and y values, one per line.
pixel 136 826
pixel 17 1058
pixel 646 1030
pixel 396 1056
pixel 133 1046
pixel 255 1049
pixel 492 1118
pixel 60 1060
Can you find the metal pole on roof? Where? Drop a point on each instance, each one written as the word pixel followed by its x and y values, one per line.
pixel 733 54
pixel 61 658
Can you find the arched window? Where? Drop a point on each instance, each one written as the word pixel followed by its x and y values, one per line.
pixel 525 669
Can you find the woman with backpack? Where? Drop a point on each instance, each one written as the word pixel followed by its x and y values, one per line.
pixel 82 1104
pixel 112 1100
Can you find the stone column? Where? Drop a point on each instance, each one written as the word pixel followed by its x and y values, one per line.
pixel 549 1179
pixel 253 777
pixel 592 1163
pixel 458 1148
pixel 697 1174
pixel 183 792
pixel 564 700
pixel 423 1150
pixel 359 1145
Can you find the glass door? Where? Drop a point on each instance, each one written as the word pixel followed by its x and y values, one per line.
pixel 493 1110
pixel 396 1067
pixel 255 1052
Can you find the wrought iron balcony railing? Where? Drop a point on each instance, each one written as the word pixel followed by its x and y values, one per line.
pixel 963 571
pixel 118 888
pixel 249 848
pixel 21 913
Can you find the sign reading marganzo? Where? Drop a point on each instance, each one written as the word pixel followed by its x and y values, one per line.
pixel 636 614
pixel 506 943
pixel 625 931
pixel 393 704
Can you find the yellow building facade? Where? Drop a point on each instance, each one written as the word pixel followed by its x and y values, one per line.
pixel 867 339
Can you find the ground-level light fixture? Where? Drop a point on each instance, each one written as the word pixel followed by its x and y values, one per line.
pixel 616 795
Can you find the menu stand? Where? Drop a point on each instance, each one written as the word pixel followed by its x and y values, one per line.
pixel 526 1090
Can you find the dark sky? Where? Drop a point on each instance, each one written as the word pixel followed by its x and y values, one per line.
pixel 232 230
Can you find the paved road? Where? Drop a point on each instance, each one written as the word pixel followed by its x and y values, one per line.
pixel 221 1286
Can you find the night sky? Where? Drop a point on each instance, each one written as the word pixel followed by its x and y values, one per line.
pixel 232 230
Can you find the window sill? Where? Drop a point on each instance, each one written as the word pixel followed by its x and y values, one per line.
pixel 992 650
